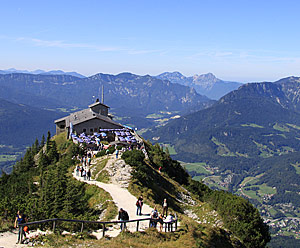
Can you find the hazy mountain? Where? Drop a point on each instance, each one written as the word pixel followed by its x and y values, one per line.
pixel 205 84
pixel 53 72
pixel 127 94
pixel 248 142
pixel 21 124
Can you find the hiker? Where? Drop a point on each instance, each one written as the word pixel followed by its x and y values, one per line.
pixel 77 170
pixel 84 174
pixel 169 221
pixel 88 174
pixel 20 219
pixel 139 205
pixel 117 153
pixel 154 216
pixel 160 220
pixel 123 216
pixel 165 207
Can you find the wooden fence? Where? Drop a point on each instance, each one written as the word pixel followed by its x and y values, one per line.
pixel 168 226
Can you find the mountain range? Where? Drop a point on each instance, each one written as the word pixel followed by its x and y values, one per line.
pixel 205 84
pixel 42 72
pixel 248 143
pixel 127 94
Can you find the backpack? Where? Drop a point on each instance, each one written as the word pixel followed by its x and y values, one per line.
pixel 125 215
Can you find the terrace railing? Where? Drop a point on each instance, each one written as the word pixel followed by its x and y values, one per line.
pixel 168 225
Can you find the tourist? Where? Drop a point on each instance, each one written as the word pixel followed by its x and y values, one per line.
pixel 84 174
pixel 88 174
pixel 77 170
pixel 139 205
pixel 169 220
pixel 117 153
pixel 165 207
pixel 123 216
pixel 154 216
pixel 160 220
pixel 20 219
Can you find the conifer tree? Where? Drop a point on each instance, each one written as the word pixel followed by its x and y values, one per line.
pixel 42 142
pixel 48 141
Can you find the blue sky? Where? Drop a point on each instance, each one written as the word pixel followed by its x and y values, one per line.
pixel 241 40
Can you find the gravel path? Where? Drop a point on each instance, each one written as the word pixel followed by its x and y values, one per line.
pixel 123 199
pixel 9 239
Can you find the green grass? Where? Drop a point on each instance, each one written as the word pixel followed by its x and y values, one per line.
pixel 297 168
pixel 264 189
pixel 272 211
pixel 98 166
pixel 252 194
pixel 222 149
pixel 98 196
pixel 154 116
pixel 170 148
pixel 199 178
pixel 198 167
pixel 281 128
pixel 251 180
pixel 103 177
pixel 4 158
pixel 293 126
pixel 251 125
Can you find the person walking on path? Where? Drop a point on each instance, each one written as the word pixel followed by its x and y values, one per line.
pixel 139 205
pixel 123 216
pixel 20 219
pixel 165 207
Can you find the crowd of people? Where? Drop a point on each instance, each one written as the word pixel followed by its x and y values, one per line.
pixel 83 169
pixel 156 217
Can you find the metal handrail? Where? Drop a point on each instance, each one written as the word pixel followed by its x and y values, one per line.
pixel 55 220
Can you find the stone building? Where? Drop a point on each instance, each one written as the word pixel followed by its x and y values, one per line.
pixel 87 121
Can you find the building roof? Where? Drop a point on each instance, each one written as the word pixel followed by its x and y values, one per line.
pixel 85 115
pixel 97 103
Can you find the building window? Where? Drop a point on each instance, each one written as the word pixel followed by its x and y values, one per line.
pixel 95 129
pixel 91 130
pixel 84 130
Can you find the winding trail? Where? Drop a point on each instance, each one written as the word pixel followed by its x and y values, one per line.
pixel 123 199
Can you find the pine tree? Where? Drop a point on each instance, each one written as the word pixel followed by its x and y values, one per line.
pixel 42 142
pixel 48 142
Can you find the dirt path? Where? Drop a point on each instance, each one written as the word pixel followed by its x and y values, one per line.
pixel 123 199
pixel 9 239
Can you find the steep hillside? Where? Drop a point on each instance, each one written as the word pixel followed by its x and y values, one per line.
pixel 20 125
pixel 205 84
pixel 248 142
pixel 204 214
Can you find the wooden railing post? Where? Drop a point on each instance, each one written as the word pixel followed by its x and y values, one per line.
pixel 103 230
pixel 137 225
pixel 53 226
pixel 165 227
pixel 176 225
pixel 21 234
pixel 81 230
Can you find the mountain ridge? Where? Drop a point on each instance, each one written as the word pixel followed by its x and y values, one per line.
pixel 206 84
